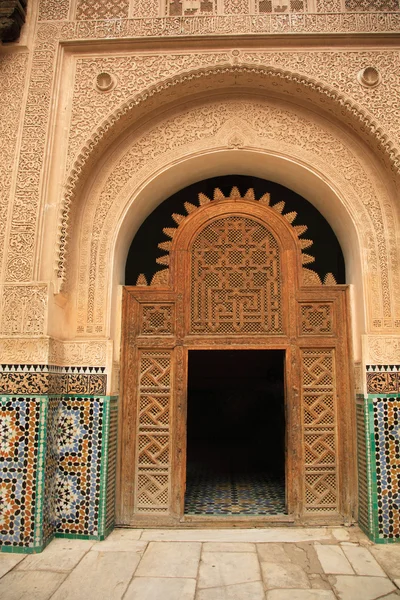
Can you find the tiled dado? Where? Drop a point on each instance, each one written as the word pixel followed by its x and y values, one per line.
pixel 57 468
pixel 80 435
pixel 382 467
pixel 383 379
pixel 43 379
pixel 386 414
pixel 22 470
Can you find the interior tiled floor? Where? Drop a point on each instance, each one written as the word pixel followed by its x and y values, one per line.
pixel 214 492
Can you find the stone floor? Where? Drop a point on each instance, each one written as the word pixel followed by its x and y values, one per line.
pixel 204 564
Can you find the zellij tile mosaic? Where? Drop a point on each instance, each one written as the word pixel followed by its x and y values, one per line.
pixel 50 468
pixel 22 421
pixel 77 486
pixel 387 457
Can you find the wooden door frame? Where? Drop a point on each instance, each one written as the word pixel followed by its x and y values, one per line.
pixel 290 442
pixel 178 342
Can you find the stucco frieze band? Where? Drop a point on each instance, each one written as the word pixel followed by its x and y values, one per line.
pixel 273 24
pixel 46 350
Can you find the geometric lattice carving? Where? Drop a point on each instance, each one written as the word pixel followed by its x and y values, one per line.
pixel 316 319
pixel 281 6
pixel 161 278
pixel 237 7
pixel 102 9
pixel 372 5
pixel 153 436
pixel 329 6
pixel 235 279
pixel 319 434
pixel 50 10
pixel 157 319
pixel 177 8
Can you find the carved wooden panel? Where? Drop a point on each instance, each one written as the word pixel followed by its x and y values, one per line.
pixel 157 319
pixel 316 318
pixel 319 429
pixel 235 279
pixel 153 432
pixel 235 270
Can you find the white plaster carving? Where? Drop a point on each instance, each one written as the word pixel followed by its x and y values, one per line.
pixel 196 129
pixel 381 350
pixel 21 350
pixel 79 352
pixel 53 10
pixel 12 83
pixel 271 24
pixel 23 309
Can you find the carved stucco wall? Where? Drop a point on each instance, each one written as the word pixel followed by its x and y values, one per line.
pixel 249 123
pixel 136 73
pixel 120 9
pixel 327 79
pixel 12 81
pixel 131 73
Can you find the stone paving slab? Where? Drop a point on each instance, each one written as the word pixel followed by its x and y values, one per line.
pixel 123 545
pixel 340 533
pixel 304 555
pixel 157 588
pixel 300 595
pixel 166 559
pixel 61 555
pixel 273 553
pixel 9 561
pixel 30 585
pixel 351 587
pixel 241 591
pixel 228 547
pixel 284 576
pixel 362 561
pixel 99 575
pixel 319 582
pixel 388 556
pixel 218 569
pixel 333 560
pixel 127 534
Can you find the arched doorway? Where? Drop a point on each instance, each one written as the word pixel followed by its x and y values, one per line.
pixel 236 280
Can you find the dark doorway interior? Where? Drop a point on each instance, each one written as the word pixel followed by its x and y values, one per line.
pixel 235 433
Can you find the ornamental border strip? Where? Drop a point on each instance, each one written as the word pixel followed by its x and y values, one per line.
pixel 272 24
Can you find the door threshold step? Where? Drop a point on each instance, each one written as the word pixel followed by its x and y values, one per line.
pixel 242 521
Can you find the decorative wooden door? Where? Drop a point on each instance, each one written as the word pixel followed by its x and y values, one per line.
pixel 236 278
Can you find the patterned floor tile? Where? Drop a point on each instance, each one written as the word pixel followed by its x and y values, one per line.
pixel 233 493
